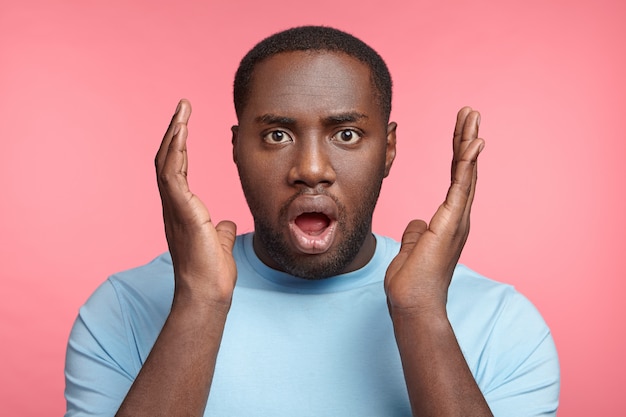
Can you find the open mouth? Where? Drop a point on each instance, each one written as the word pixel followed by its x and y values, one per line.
pixel 313 223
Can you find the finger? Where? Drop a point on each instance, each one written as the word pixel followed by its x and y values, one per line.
pixel 469 131
pixel 452 216
pixel 173 178
pixel 470 134
pixel 183 169
pixel 461 117
pixel 454 210
pixel 181 116
pixel 466 130
pixel 474 180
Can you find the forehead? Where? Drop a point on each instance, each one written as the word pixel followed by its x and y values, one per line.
pixel 312 82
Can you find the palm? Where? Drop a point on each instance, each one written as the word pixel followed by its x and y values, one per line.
pixel 201 251
pixel 420 274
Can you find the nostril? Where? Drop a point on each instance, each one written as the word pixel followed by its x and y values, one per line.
pixel 312 184
pixel 312 165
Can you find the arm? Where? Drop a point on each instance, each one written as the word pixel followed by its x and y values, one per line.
pixel 438 379
pixel 176 377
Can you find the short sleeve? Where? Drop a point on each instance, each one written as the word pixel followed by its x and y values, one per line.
pixel 98 368
pixel 524 363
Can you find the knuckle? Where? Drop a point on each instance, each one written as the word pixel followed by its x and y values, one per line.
pixel 166 178
pixel 464 187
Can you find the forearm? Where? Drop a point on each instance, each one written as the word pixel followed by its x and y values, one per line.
pixel 438 380
pixel 176 377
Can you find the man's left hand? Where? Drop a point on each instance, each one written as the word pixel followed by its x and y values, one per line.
pixel 419 276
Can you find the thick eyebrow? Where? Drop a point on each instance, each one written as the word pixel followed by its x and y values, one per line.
pixel 334 119
pixel 272 119
pixel 339 118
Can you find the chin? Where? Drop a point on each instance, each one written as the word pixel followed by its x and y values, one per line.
pixel 333 262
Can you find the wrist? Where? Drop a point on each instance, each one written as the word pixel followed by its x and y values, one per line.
pixel 418 302
pixel 200 305
pixel 422 311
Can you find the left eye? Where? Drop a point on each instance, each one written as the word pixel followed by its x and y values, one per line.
pixel 347 136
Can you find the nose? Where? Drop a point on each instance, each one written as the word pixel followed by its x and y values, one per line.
pixel 312 164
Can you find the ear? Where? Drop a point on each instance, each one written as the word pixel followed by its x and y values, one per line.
pixel 235 131
pixel 390 151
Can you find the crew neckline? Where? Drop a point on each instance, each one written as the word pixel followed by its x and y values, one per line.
pixel 367 274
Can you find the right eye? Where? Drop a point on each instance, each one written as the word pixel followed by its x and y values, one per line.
pixel 277 136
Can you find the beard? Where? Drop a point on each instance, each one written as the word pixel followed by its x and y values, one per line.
pixel 353 230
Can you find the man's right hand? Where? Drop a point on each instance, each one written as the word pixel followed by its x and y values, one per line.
pixel 204 268
pixel 176 378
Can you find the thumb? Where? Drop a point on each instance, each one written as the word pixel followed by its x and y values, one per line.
pixel 412 235
pixel 226 234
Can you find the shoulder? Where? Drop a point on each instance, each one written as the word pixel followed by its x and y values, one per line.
pixel 132 304
pixel 136 289
pixel 472 295
pixel 113 334
pixel 479 305
pixel 506 342
pixel 149 283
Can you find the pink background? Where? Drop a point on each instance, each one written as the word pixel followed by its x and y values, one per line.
pixel 87 89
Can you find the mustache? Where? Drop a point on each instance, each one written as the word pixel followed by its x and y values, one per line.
pixel 319 190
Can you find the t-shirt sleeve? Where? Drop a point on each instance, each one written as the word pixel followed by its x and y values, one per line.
pixel 99 368
pixel 522 360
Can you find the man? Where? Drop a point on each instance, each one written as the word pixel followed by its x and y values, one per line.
pixel 312 315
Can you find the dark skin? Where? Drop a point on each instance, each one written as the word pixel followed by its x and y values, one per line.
pixel 311 133
pixel 321 157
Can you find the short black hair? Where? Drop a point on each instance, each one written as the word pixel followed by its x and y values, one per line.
pixel 313 38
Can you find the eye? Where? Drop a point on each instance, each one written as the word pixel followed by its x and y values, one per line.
pixel 277 136
pixel 348 136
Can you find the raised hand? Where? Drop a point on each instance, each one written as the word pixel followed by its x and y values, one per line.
pixel 419 276
pixel 204 268
pixel 176 378
pixel 438 380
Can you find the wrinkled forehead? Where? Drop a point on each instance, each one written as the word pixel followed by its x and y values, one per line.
pixel 311 81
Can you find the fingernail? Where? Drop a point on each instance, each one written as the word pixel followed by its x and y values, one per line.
pixel 178 107
pixel 176 129
pixel 478 120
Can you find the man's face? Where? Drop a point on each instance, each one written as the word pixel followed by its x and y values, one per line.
pixel 312 148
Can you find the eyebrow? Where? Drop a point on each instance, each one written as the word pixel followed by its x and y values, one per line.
pixel 271 119
pixel 334 119
pixel 349 117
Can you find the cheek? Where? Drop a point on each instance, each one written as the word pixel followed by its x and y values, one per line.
pixel 362 169
pixel 261 184
pixel 252 168
pixel 360 189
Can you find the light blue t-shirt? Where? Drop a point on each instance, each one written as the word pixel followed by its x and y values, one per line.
pixel 294 347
